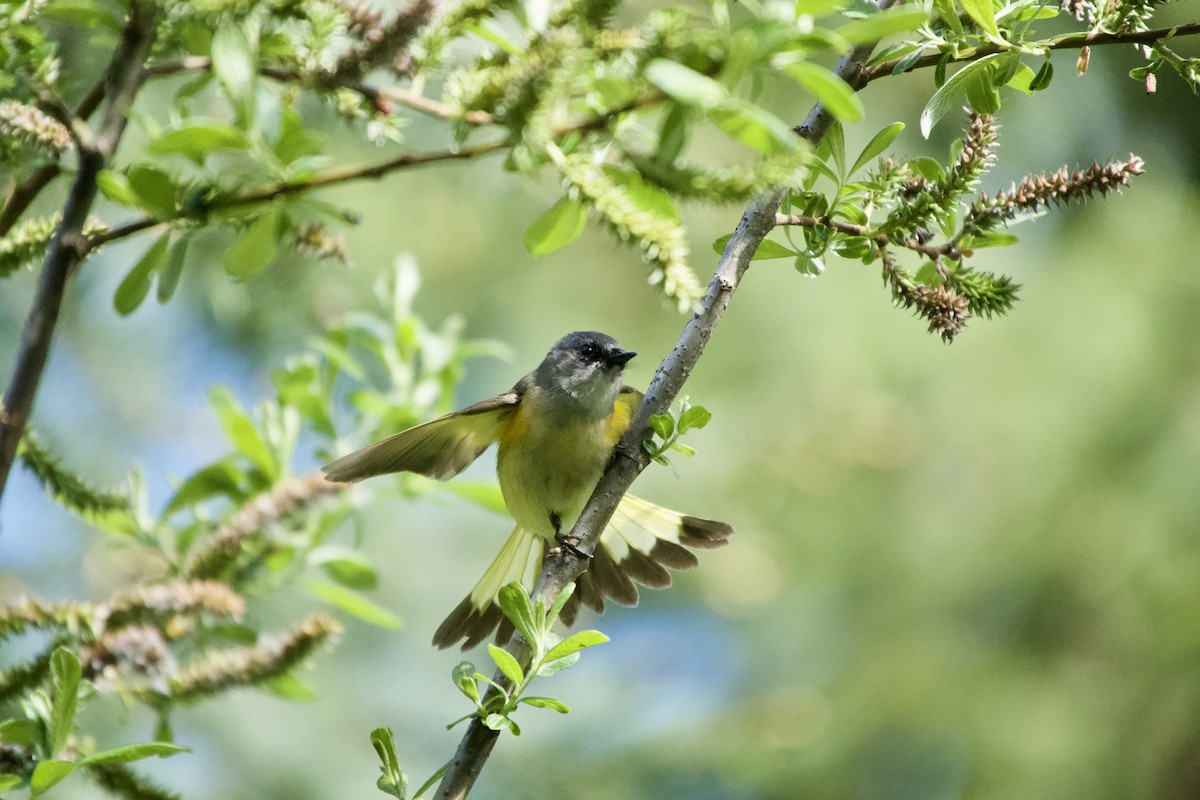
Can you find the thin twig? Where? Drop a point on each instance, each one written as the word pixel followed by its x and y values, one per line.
pixel 67 246
pixel 756 223
pixel 1073 41
pixel 934 252
pixel 25 193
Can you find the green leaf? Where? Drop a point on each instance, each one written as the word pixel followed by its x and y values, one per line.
pixel 663 425
pixel 233 62
pixel 684 85
pixel 48 773
pixel 830 90
pixel 695 417
pixel 115 186
pixel 434 778
pixel 19 731
pixel 84 13
pixel 899 19
pixel 222 478
pixel 1022 79
pixel 135 752
pixel 154 189
pixel 560 602
pixel 393 780
pixel 1043 77
pixel 10 782
pixel 984 15
pixel 546 702
pixel 289 687
pixel 574 643
pixel 168 276
pixel 240 431
pixel 197 140
pixel 766 249
pixel 879 142
pixel 560 225
pixel 507 664
pixel 515 603
pixel 256 248
pixel 982 93
pixel 948 14
pixel 755 127
pixel 354 604
pixel 982 239
pixel 347 567
pixel 136 285
pixel 65 675
pixel 485 494
pixel 951 92
pixel 463 675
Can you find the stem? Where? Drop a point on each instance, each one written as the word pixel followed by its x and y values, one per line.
pixel 68 245
pixel 1073 41
pixel 630 458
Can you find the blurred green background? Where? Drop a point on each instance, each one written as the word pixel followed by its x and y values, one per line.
pixel 967 571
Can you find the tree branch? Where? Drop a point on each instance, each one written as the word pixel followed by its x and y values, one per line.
pixel 68 246
pixel 630 457
pixel 1073 41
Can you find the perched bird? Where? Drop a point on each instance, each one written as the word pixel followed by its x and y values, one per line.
pixel 556 430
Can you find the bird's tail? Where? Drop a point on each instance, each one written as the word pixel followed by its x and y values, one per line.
pixel 641 543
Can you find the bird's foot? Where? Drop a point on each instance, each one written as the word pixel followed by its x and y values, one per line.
pixel 571 543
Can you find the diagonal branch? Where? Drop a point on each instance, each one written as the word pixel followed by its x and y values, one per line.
pixel 125 76
pixel 757 221
pixel 1072 41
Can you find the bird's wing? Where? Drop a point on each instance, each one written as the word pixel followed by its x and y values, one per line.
pixel 439 449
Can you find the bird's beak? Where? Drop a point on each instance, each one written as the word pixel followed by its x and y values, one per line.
pixel 619 358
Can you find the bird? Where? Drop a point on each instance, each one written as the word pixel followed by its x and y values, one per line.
pixel 556 431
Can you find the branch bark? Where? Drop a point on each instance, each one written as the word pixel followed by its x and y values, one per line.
pixel 630 459
pixel 124 78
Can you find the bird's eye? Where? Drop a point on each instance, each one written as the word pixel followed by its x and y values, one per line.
pixel 589 352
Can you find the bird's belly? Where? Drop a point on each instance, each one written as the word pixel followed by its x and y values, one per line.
pixel 551 474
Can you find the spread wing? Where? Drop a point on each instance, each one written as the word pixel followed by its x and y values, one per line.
pixel 438 449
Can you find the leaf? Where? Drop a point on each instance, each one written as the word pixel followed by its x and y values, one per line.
pixel 984 15
pixel 135 752
pixel 197 140
pixel 434 778
pixel 463 675
pixel 663 425
pixel 239 430
pixel 354 604
pixel 574 643
pixel 900 19
pixel 393 780
pixel 115 186
pixel 684 85
pixel 154 189
pixel 289 687
pixel 136 285
pixel 221 478
pixel 233 62
pixel 507 664
pixel 560 225
pixel 695 417
pixel 84 13
pixel 19 731
pixel 1022 79
pixel 755 127
pixel 951 92
pixel 48 773
pixel 982 93
pixel 1043 77
pixel 830 90
pixel 168 276
pixel 345 566
pixel 485 494
pixel 514 602
pixel 766 249
pixel 10 782
pixel 256 248
pixel 879 142
pixel 65 675
pixel 546 702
